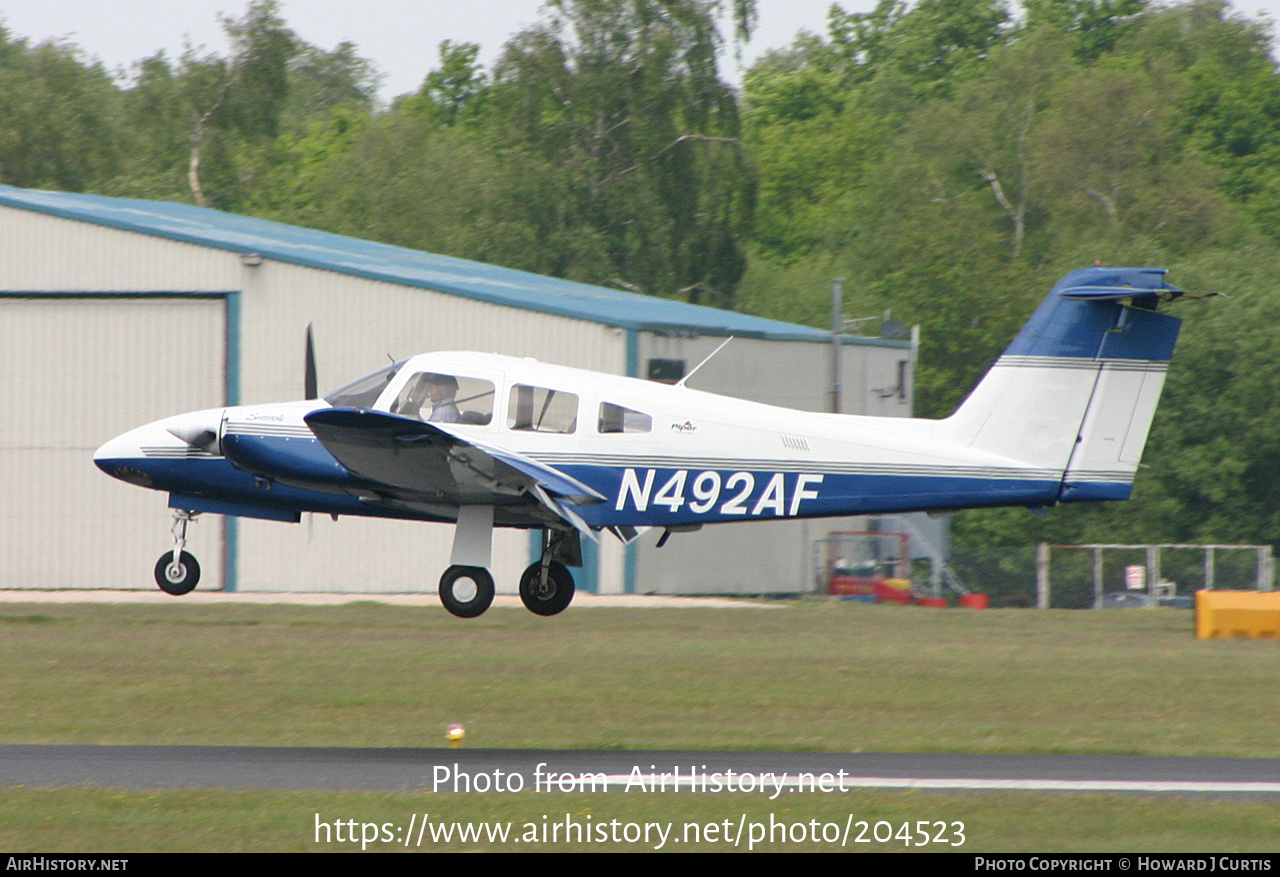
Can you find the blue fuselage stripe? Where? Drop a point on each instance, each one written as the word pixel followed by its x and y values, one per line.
pixel 679 496
pixel 1095 491
pixel 636 495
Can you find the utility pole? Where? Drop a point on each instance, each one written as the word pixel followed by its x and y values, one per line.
pixel 837 331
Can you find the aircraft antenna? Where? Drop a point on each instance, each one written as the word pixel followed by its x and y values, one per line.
pixel 681 382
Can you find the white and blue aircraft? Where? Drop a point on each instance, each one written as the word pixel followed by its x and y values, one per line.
pixel 485 441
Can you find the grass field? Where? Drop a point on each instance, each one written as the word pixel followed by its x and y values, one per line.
pixel 79 820
pixel 809 675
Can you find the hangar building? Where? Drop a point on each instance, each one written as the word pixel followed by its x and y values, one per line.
pixel 118 312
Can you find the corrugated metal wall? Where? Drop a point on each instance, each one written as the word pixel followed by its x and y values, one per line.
pixel 48 253
pixel 793 374
pixel 75 372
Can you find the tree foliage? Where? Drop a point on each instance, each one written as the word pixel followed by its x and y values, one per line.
pixel 622 102
pixel 57 108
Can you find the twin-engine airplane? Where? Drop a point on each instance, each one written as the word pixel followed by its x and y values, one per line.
pixel 493 441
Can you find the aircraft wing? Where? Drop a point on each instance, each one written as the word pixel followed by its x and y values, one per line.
pixel 410 460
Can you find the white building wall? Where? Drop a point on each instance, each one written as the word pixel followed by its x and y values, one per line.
pixel 49 253
pixel 360 323
pixel 792 374
pixel 75 372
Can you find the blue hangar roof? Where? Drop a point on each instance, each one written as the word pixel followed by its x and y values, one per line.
pixel 361 258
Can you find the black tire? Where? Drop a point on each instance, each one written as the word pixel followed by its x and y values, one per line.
pixel 555 597
pixel 180 580
pixel 466 591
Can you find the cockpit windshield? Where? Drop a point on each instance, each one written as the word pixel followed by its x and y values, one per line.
pixel 363 393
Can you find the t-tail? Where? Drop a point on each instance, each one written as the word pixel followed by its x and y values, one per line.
pixel 1075 393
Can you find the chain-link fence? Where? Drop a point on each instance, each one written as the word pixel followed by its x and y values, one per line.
pixel 1110 576
pixel 1007 575
pixel 861 553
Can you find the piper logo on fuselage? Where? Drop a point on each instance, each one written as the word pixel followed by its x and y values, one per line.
pixel 687 426
pixel 732 494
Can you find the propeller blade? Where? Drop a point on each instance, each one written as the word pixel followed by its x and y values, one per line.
pixel 309 376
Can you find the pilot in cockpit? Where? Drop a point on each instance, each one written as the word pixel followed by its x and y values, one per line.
pixel 441 390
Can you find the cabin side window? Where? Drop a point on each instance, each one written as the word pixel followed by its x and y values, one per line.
pixel 538 409
pixel 615 419
pixel 444 398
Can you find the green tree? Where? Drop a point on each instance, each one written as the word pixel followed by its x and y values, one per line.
pixel 262 50
pixel 321 81
pixel 458 87
pixel 1095 26
pixel 60 123
pixel 157 118
pixel 621 104
pixel 224 131
pixel 1230 107
pixel 925 45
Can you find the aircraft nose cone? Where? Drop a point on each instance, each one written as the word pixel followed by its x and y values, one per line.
pixel 132 456
pixel 122 446
pixel 122 457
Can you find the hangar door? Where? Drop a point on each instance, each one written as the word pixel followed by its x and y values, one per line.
pixel 74 372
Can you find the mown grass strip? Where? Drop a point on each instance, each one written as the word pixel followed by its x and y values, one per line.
pixel 813 676
pixel 110 821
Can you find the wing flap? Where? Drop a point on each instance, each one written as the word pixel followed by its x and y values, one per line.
pixel 553 480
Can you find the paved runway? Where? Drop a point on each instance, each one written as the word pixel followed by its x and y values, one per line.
pixel 770 773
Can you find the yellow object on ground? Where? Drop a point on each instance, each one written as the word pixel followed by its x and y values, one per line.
pixel 1237 613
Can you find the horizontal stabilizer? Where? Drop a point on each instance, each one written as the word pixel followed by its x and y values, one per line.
pixel 1115 293
pixel 1120 293
pixel 1144 286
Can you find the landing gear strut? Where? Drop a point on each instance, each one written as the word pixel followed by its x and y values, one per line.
pixel 466 588
pixel 546 588
pixel 177 572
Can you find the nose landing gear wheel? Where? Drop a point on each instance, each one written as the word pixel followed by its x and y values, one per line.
pixel 551 598
pixel 466 591
pixel 177 578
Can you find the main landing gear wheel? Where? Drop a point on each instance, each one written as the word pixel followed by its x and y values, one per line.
pixel 551 597
pixel 466 591
pixel 177 578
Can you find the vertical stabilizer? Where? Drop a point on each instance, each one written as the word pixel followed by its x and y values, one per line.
pixel 1075 393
